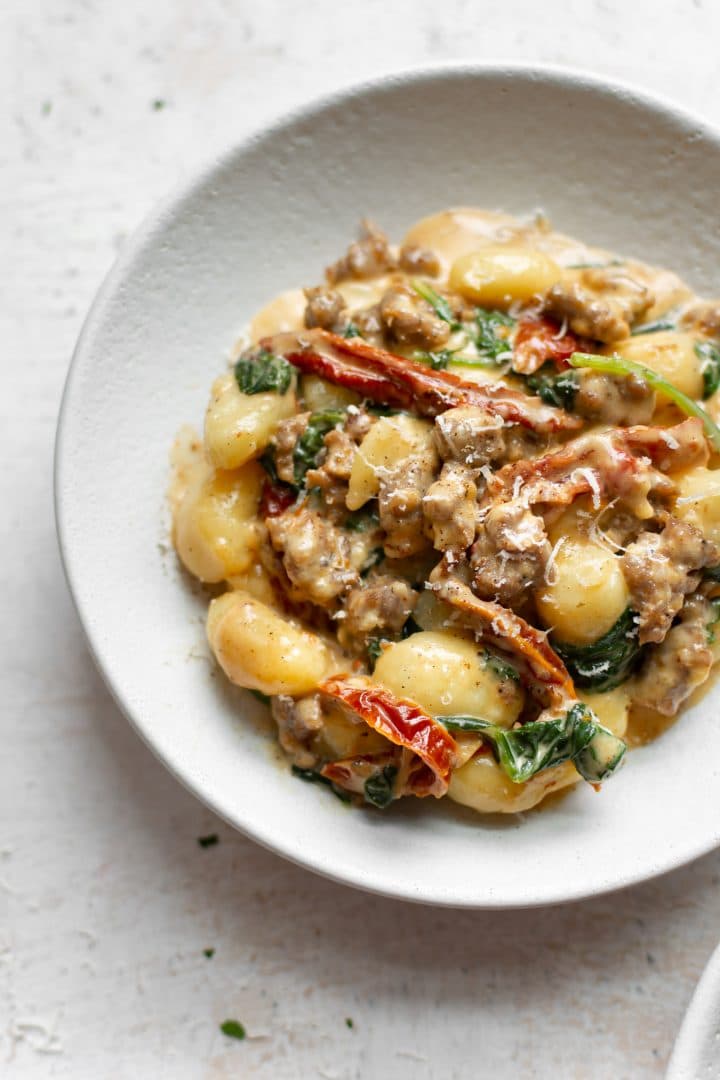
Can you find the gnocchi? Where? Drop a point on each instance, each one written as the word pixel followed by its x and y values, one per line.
pixel 260 649
pixel 447 674
pixel 499 274
pixel 238 427
pixel 584 592
pixel 216 530
pixel 389 441
pixel 670 353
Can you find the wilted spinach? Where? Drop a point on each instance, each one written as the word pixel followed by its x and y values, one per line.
pixel 262 371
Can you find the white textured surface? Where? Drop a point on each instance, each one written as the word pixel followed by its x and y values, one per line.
pixel 106 901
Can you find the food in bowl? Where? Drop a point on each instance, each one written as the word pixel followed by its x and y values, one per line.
pixel 459 514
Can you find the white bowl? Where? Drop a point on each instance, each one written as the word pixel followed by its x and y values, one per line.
pixel 607 164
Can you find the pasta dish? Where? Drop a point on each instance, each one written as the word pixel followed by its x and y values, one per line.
pixel 458 512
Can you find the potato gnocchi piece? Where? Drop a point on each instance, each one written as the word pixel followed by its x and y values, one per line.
pixel 698 501
pixel 238 427
pixel 584 593
pixel 215 524
pixel 671 353
pixel 500 274
pixel 447 674
pixel 285 312
pixel 483 786
pixel 389 441
pixel 260 649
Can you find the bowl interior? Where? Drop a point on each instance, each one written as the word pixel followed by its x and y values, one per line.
pixel 604 164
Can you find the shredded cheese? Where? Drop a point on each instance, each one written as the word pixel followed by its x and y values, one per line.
pixel 551 568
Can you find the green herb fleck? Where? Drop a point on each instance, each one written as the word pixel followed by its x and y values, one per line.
pixel 378 788
pixel 438 303
pixel 312 441
pixel 618 365
pixel 653 327
pixel 158 104
pixel 351 330
pixel 233 1029
pixel 46 108
pixel 709 357
pixel 209 953
pixel 558 390
pixel 208 841
pixel 349 1022
pixel 712 573
pixel 710 629
pixel 606 663
pixel 262 371
pixel 374 649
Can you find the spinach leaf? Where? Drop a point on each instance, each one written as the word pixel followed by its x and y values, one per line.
pixel 558 390
pixel 410 627
pixel 607 662
pixel 438 360
pixel 485 332
pixel 525 751
pixel 711 628
pixel 712 573
pixel 378 788
pixel 262 371
pixel 311 442
pixel 709 357
pixel 361 521
pixel 312 777
pixel 267 460
pixel 438 303
pixel 502 668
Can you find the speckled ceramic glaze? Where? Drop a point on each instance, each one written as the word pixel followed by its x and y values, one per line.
pixel 606 164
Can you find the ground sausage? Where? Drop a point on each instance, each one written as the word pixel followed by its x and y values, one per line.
pixel 660 570
pixel 409 320
pixel 510 553
pixel 469 435
pixel 614 399
pixel 450 508
pixel 380 606
pixel 316 556
pixel 324 308
pixel 419 260
pixel 680 663
pixel 366 258
pixel 601 302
